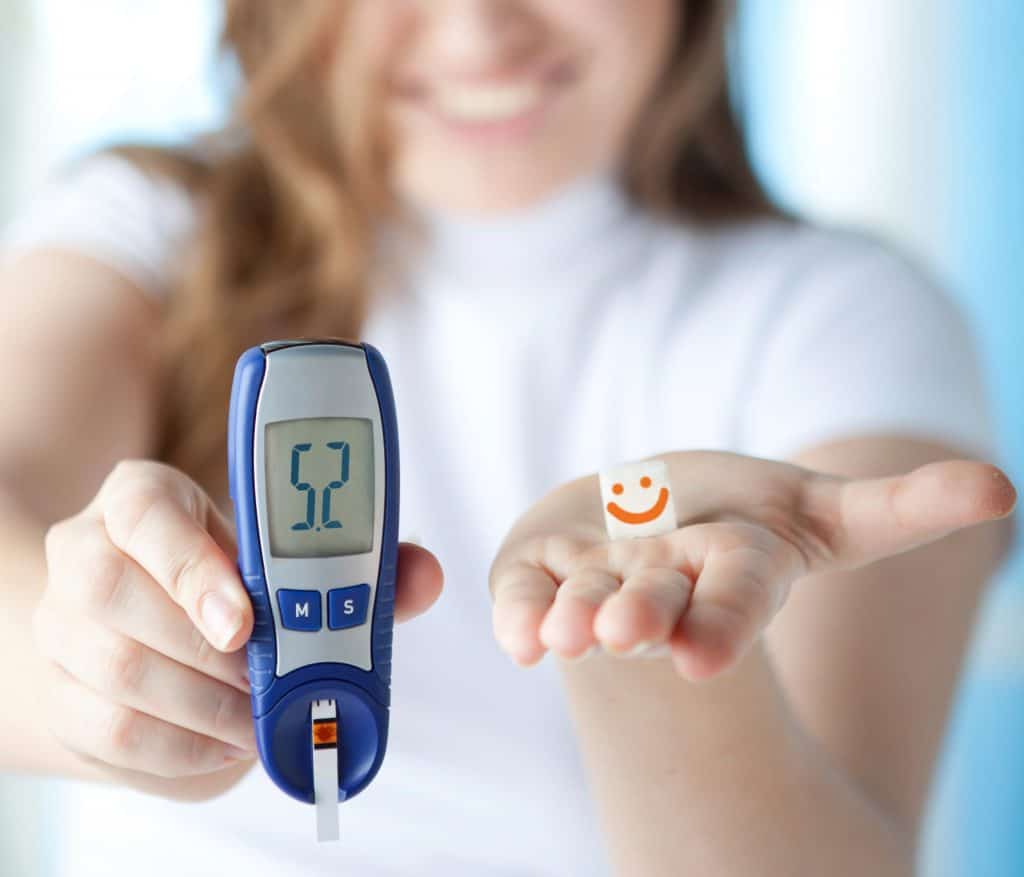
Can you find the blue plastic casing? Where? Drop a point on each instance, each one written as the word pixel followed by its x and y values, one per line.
pixel 281 705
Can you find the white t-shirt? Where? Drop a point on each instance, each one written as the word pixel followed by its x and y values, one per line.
pixel 524 352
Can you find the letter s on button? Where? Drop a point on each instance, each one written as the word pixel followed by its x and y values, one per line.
pixel 348 607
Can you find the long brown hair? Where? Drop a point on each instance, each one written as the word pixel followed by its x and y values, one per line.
pixel 284 243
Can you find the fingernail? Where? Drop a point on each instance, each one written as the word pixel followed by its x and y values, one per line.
pixel 593 650
pixel 221 618
pixel 234 754
pixel 639 649
pixel 616 652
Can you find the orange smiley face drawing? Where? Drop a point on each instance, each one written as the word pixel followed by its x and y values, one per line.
pixel 636 500
pixel 643 517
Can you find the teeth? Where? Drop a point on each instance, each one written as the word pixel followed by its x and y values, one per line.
pixel 486 103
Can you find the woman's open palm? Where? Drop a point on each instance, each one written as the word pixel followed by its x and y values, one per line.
pixel 748 528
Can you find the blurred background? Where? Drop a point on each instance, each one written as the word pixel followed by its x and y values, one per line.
pixel 905 118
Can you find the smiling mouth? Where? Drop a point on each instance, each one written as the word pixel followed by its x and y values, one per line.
pixel 489 102
pixel 482 103
pixel 644 517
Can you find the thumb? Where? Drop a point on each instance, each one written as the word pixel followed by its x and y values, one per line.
pixel 879 517
pixel 166 523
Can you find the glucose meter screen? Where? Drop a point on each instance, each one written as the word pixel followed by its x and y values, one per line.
pixel 320 477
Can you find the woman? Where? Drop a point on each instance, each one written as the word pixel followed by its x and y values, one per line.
pixel 543 214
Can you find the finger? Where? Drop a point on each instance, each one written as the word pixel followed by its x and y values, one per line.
pixel 568 626
pixel 89 574
pixel 879 517
pixel 522 595
pixel 120 736
pixel 198 788
pixel 221 530
pixel 131 674
pixel 680 549
pixel 158 517
pixel 737 594
pixel 420 581
pixel 644 612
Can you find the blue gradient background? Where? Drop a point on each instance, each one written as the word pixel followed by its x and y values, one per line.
pixel 987 752
pixel 976 824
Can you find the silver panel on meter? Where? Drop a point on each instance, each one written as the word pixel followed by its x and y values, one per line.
pixel 303 383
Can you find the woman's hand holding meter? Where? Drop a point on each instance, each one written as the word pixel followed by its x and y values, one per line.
pixel 748 528
pixel 143 619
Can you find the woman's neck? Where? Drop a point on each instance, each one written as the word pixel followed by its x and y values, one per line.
pixel 568 230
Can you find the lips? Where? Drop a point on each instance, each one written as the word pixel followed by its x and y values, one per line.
pixel 628 517
pixel 487 103
pixel 487 100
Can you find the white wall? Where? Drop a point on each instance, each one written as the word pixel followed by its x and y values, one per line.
pixel 74 75
pixel 23 802
pixel 17 34
pixel 857 125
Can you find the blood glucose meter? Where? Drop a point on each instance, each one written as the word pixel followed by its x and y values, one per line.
pixel 313 468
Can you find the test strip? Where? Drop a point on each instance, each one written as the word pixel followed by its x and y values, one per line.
pixel 325 768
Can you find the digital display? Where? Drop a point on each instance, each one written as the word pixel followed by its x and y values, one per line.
pixel 320 480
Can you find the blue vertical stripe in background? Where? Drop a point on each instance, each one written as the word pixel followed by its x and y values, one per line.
pixel 976 57
pixel 989 195
pixel 989 262
pixel 761 46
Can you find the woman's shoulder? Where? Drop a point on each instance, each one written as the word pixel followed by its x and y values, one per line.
pixel 785 265
pixel 113 209
pixel 828 333
pixel 780 244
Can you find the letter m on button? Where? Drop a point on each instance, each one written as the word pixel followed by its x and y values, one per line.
pixel 300 610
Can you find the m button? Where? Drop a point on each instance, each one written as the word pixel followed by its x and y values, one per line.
pixel 300 610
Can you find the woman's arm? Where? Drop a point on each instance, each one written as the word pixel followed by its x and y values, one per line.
pixel 870 658
pixel 815 760
pixel 811 755
pixel 126 617
pixel 78 388
pixel 77 395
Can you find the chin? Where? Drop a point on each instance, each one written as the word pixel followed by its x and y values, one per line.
pixel 477 193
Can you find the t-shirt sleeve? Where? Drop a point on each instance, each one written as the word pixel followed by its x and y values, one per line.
pixel 862 343
pixel 107 208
